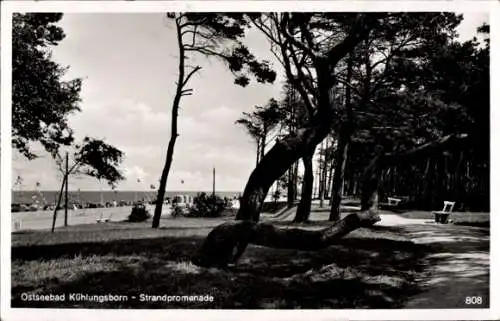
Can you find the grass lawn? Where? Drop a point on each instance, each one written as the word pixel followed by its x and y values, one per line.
pixel 374 267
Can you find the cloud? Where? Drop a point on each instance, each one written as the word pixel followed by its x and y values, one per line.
pixel 129 67
pixel 135 172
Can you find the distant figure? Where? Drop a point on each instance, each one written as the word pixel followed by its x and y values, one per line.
pixel 115 203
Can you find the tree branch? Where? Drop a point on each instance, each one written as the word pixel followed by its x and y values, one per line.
pixel 190 74
pixel 425 149
pixel 192 23
pixel 291 39
pixel 358 31
pixel 297 83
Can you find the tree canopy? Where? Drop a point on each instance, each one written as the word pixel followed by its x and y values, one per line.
pixel 42 99
pixel 95 158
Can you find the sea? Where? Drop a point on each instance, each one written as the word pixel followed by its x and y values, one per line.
pixel 83 197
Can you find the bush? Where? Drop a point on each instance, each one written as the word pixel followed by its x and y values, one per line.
pixel 177 211
pixel 139 213
pixel 207 206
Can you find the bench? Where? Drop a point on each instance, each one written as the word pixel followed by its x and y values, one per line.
pixel 443 215
pixel 393 201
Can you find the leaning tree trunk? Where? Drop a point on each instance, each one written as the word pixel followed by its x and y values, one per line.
pixel 275 163
pixel 304 208
pixel 258 152
pixel 226 242
pixel 263 143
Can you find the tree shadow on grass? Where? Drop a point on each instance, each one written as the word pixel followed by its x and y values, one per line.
pixel 356 273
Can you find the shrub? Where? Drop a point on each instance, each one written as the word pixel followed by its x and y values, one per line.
pixel 139 213
pixel 207 206
pixel 177 211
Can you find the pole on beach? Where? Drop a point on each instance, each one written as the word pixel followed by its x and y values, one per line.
pixel 66 175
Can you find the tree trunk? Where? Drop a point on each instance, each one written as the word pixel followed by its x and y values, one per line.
pixel 54 218
pixel 325 176
pixel 295 180
pixel 426 190
pixel 304 208
pixel 329 181
pixel 322 168
pixel 226 242
pixel 258 152
pixel 66 173
pixel 370 184
pixel 346 130
pixel 338 178
pixel 181 82
pixel 276 162
pixel 263 145
pixel 290 190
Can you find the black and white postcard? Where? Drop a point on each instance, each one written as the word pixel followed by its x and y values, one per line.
pixel 325 160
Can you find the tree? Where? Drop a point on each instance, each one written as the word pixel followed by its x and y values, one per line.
pixel 260 123
pixel 296 41
pixel 369 76
pixel 342 148
pixel 208 34
pixel 304 207
pixel 456 75
pixel 41 99
pixel 94 158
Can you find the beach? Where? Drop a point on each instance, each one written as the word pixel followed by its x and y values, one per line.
pixel 42 220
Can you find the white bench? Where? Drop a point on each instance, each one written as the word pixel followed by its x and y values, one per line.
pixel 393 201
pixel 443 215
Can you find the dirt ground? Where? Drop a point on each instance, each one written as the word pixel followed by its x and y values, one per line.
pixel 458 267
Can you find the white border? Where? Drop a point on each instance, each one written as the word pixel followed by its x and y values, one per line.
pixel 494 161
pixel 8 7
pixel 6 159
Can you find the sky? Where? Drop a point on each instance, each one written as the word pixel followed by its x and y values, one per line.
pixel 128 63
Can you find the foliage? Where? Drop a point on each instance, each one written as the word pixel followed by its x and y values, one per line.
pixel 219 35
pixel 429 88
pixel 207 205
pixel 99 160
pixel 94 158
pixel 139 213
pixel 41 99
pixel 276 195
pixel 177 210
pixel 261 122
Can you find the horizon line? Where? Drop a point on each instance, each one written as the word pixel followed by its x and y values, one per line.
pixel 125 190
